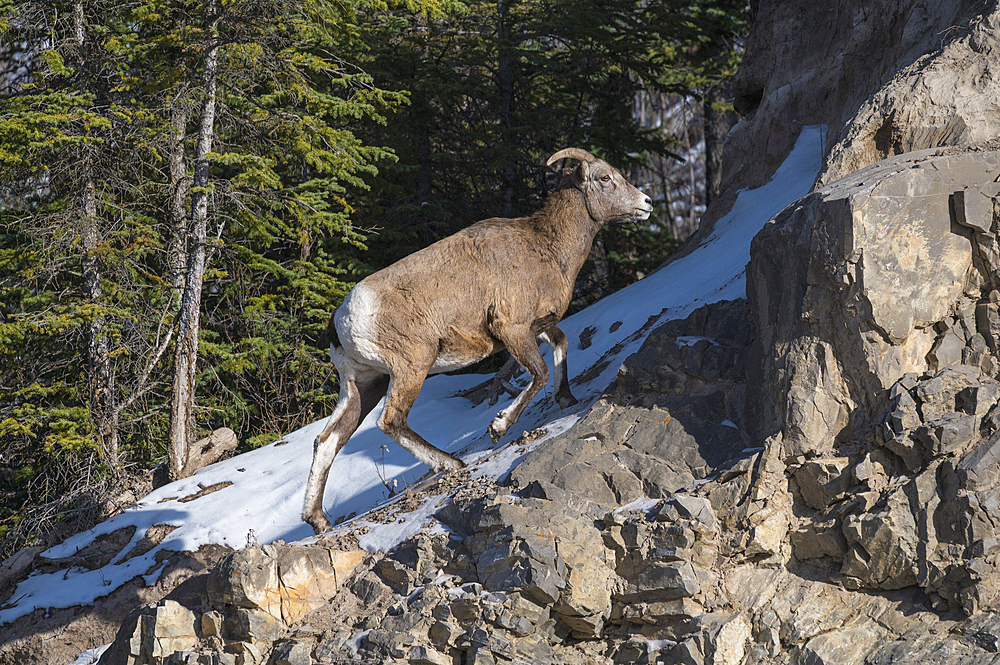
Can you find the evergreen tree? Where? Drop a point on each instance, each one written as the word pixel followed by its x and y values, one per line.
pixel 77 294
pixel 498 87
pixel 131 218
pixel 184 194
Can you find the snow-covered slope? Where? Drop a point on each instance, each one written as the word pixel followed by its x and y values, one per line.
pixel 261 492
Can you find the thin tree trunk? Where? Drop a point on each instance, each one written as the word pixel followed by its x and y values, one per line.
pixel 101 387
pixel 176 258
pixel 79 31
pixel 693 183
pixel 505 93
pixel 423 137
pixel 102 378
pixel 188 320
pixel 717 125
pixel 177 248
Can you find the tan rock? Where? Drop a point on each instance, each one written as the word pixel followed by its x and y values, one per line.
pixel 883 543
pixel 310 576
pixel 728 642
pixel 285 581
pixel 769 534
pixel 169 628
pixel 845 646
pixel 211 624
pixel 823 481
pixel 751 588
pixel 663 612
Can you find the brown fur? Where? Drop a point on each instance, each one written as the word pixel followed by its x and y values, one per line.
pixel 495 285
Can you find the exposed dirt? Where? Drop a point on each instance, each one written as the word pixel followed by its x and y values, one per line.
pixel 205 490
pixel 586 336
pixel 95 555
pixel 154 536
pixel 202 491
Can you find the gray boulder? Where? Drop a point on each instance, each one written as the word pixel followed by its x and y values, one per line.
pixel 846 288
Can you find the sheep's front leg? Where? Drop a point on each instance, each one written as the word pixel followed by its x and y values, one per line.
pixel 557 340
pixel 522 345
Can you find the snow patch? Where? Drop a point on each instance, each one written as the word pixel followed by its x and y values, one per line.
pixel 268 484
pixel 691 340
pixel 643 504
pixel 658 645
pixel 90 656
pixel 354 641
pixel 384 537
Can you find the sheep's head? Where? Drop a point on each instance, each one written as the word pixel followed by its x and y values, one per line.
pixel 610 198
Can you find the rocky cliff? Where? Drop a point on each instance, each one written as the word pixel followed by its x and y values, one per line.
pixel 884 78
pixel 809 475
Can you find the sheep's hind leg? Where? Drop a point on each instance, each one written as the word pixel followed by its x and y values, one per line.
pixel 358 396
pixel 522 345
pixel 555 338
pixel 404 386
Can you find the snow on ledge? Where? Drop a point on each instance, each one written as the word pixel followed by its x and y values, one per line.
pixel 264 499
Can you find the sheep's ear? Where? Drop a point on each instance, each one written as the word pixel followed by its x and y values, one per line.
pixel 582 173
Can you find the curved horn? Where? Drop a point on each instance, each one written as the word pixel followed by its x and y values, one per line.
pixel 571 153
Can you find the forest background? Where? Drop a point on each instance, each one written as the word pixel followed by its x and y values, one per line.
pixel 188 189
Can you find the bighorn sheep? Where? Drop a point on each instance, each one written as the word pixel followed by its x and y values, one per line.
pixel 498 284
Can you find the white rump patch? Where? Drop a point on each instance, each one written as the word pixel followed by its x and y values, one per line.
pixel 356 321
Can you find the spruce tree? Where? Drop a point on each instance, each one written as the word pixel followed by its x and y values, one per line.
pixel 502 84
pixel 127 236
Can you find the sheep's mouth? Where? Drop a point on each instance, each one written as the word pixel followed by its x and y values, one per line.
pixel 638 214
pixel 641 214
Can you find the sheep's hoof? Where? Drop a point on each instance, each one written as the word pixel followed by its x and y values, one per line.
pixel 566 400
pixel 497 432
pixel 319 524
pixel 453 464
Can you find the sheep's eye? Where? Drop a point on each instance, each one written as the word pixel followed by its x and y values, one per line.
pixel 605 178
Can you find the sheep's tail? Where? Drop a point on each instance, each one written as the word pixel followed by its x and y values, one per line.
pixel 331 339
pixel 331 335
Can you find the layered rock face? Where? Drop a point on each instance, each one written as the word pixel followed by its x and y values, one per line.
pixel 874 277
pixel 809 476
pixel 946 97
pixel 875 300
pixel 885 78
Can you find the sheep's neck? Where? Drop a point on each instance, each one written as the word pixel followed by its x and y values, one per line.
pixel 567 229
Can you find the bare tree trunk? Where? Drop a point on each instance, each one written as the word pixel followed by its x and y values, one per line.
pixel 505 93
pixel 102 378
pixel 717 125
pixel 177 248
pixel 188 319
pixel 78 25
pixel 101 388
pixel 692 221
